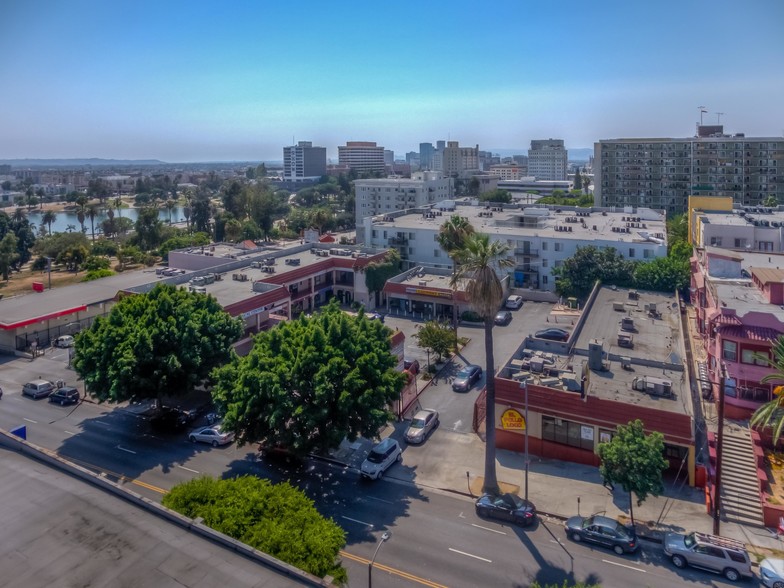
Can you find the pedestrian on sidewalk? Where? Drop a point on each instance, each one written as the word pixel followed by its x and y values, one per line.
pixel 607 484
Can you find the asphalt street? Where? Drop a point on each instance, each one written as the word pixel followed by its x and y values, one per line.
pixel 437 539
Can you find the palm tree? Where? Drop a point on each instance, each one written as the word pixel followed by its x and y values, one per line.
pixel 118 203
pixel 48 217
pixel 771 414
pixel 170 205
pixel 476 267
pixel 19 214
pixel 92 210
pixel 81 215
pixel 70 228
pixel 452 236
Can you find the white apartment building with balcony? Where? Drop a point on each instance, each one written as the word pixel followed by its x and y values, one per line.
pixel 382 196
pixel 540 237
pixel 547 159
pixel 662 173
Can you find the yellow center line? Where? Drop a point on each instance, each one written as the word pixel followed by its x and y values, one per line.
pixel 395 571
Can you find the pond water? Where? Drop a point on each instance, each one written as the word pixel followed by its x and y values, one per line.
pixel 60 225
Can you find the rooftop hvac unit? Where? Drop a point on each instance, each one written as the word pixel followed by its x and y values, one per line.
pixel 537 365
pixel 595 355
pixel 423 282
pixel 550 382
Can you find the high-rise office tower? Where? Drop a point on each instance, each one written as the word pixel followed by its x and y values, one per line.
pixel 304 162
pixel 362 156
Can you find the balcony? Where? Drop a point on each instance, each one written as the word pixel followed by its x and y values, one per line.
pixel 526 251
pixel 398 241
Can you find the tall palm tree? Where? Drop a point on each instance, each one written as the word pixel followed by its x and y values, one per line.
pixel 170 205
pixel 19 214
pixel 477 262
pixel 81 215
pixel 452 236
pixel 92 211
pixel 771 414
pixel 48 217
pixel 118 203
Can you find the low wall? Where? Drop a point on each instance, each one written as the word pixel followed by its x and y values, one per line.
pixel 101 481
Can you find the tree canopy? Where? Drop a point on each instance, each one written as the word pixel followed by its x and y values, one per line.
pixel 277 519
pixel 162 343
pixel 578 274
pixel 497 195
pixel 437 337
pixel 634 460
pixel 377 273
pixel 308 384
pixel 771 414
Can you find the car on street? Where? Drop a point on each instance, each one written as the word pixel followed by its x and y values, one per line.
pixel 64 395
pixel 375 316
pixel 514 302
pixel 466 378
pixel 602 531
pixel 503 317
pixel 423 423
pixel 64 341
pixel 772 572
pixel 212 435
pixel 412 365
pixel 169 420
pixel 38 389
pixel 381 458
pixel 709 552
pixel 552 334
pixel 506 507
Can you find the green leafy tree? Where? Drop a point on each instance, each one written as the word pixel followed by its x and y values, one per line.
pixel 8 254
pixel 261 171
pixel 497 195
pixel 201 213
pixel 232 230
pixel 73 257
pixel 276 519
pixel 181 242
pixel 663 274
pixel 377 273
pixel 477 263
pixel 635 461
pixel 265 206
pixel 162 343
pixel 578 274
pixel 148 229
pixel 308 384
pixel 578 180
pixel 97 275
pixel 771 414
pixel 436 336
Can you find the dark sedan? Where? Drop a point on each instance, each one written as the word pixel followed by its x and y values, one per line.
pixel 553 334
pixel 503 317
pixel 506 507
pixel 466 378
pixel 602 531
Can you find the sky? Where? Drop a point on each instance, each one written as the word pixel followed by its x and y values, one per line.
pixel 237 81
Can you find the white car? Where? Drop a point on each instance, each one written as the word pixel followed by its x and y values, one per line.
pixel 514 302
pixel 381 458
pixel 212 435
pixel 64 341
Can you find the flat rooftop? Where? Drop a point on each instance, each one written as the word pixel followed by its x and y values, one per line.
pixel 58 530
pixel 551 222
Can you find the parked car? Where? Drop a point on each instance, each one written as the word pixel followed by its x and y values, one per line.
pixel 514 302
pixel 602 531
pixel 506 507
pixel 412 365
pixel 466 378
pixel 553 334
pixel 64 341
pixel 381 458
pixel 423 423
pixel 212 435
pixel 38 389
pixel 375 316
pixel 64 395
pixel 169 420
pixel 709 552
pixel 772 572
pixel 503 317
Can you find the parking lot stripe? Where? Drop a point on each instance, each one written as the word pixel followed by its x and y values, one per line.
pixel 30 420
pixel 188 469
pixel 471 555
pixel 488 529
pixel 125 450
pixel 620 565
pixel 356 521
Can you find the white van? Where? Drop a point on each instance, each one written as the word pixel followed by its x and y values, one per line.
pixel 64 341
pixel 37 389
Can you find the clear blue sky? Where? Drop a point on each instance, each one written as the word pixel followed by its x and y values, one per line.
pixel 196 81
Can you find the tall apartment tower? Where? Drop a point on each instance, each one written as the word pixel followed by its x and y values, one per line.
pixel 459 161
pixel 362 156
pixel 547 159
pixel 426 156
pixel 663 173
pixel 303 162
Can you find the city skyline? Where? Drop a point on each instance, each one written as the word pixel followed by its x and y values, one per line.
pixel 195 82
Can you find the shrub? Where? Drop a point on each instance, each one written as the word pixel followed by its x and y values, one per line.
pixel 97 274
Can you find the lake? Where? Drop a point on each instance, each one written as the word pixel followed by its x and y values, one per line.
pixel 60 225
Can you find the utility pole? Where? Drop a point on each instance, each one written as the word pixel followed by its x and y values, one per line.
pixel 719 451
pixel 524 386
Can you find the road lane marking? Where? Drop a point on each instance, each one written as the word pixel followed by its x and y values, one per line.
pixel 471 555
pixel 380 499
pixel 146 485
pixel 488 529
pixel 102 423
pixel 70 433
pixel 188 469
pixel 30 421
pixel 395 571
pixel 620 565
pixel 357 521
pixel 125 450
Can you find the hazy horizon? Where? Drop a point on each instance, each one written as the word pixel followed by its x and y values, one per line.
pixel 184 82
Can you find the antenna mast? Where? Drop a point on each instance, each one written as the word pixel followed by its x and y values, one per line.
pixel 718 117
pixel 702 111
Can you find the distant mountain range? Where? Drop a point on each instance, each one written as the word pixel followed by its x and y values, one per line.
pixel 91 162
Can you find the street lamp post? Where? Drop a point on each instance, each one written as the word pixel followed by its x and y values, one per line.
pixel 386 535
pixel 524 386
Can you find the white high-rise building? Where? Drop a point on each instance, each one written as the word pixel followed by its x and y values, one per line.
pixel 362 156
pixel 303 162
pixel 547 159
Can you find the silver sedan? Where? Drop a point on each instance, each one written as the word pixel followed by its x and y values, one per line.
pixel 212 435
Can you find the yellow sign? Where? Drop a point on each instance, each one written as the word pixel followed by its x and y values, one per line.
pixel 512 420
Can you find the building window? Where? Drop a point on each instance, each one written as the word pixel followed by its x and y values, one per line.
pixel 558 246
pixel 647 254
pixel 544 263
pixel 715 241
pixel 740 243
pixel 544 245
pixel 436 253
pixel 631 252
pixel 544 280
pixel 567 433
pixel 729 350
pixel 748 356
pixel 411 236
